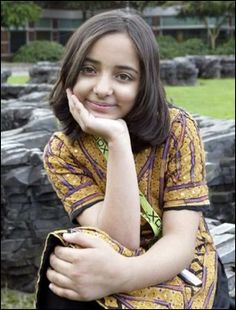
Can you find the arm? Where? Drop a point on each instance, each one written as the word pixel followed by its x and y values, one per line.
pixel 89 273
pixel 119 213
pixel 168 256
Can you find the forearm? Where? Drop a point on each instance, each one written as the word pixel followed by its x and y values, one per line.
pixel 167 258
pixel 120 213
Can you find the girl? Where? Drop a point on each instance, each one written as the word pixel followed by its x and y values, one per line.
pixel 109 95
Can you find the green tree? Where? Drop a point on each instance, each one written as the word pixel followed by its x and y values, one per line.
pixel 92 6
pixel 220 10
pixel 18 13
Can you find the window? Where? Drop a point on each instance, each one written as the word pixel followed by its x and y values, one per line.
pixel 64 36
pixel 69 23
pixel 177 21
pixel 148 20
pixel 18 38
pixel 43 23
pixel 43 35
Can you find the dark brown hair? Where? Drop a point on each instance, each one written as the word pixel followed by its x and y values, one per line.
pixel 148 121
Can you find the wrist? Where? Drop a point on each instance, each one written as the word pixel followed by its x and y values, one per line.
pixel 126 274
pixel 119 133
pixel 118 140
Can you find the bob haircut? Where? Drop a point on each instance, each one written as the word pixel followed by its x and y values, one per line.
pixel 148 121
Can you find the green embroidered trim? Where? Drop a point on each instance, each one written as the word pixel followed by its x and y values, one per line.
pixel 148 212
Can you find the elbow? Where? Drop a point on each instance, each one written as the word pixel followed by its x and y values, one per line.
pixel 130 243
pixel 133 245
pixel 189 257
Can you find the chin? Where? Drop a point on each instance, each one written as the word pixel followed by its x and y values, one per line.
pixel 103 115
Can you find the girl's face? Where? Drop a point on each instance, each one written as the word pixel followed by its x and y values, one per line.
pixel 108 82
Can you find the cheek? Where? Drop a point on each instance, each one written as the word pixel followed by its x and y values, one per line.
pixel 81 88
pixel 128 95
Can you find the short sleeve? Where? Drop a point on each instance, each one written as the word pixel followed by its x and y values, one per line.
pixel 185 178
pixel 72 181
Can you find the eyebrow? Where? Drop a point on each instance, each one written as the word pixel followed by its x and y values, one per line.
pixel 123 67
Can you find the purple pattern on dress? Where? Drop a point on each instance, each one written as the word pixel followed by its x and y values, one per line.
pixel 171 287
pixel 123 300
pixel 83 200
pixel 177 155
pixel 77 188
pixel 185 185
pixel 162 172
pixel 65 183
pixel 145 167
pixel 85 170
pixel 198 199
pixel 192 150
pixel 183 128
pixel 98 170
pixel 211 288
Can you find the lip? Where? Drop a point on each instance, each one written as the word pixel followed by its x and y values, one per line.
pixel 99 106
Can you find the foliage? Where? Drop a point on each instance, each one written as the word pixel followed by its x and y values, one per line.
pixel 18 13
pixel 170 48
pixel 228 48
pixel 39 51
pixel 220 10
pixel 93 6
pixel 98 5
pixel 194 46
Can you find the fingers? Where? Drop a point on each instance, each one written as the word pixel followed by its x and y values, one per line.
pixel 84 240
pixel 78 111
pixel 74 102
pixel 59 279
pixel 63 257
pixel 64 292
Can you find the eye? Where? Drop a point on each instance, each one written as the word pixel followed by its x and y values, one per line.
pixel 88 70
pixel 124 77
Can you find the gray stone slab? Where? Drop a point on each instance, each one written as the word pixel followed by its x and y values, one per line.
pixel 227 252
pixel 223 239
pixel 225 228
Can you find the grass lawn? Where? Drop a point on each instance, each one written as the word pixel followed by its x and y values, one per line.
pixel 11 299
pixel 18 79
pixel 215 98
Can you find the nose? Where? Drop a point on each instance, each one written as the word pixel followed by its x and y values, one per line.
pixel 103 87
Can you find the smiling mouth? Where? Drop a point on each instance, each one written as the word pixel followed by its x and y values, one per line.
pixel 101 104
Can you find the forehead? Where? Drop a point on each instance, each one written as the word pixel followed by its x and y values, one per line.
pixel 117 47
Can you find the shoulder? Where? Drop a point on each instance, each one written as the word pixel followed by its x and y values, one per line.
pixel 61 145
pixel 57 141
pixel 178 115
pixel 182 122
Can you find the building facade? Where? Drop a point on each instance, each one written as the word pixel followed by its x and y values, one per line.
pixel 58 25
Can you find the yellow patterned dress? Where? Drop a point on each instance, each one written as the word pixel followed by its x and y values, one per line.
pixel 172 177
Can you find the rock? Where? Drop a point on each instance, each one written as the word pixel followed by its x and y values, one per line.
pixel 211 68
pixel 178 71
pixel 224 239
pixel 227 64
pixel 214 66
pixel 44 72
pixel 5 75
pixel 9 91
